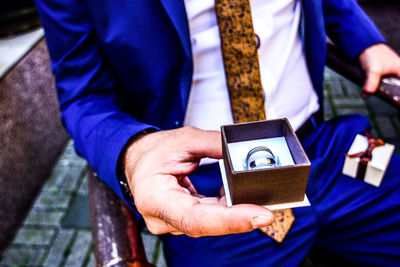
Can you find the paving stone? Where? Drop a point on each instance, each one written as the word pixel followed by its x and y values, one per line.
pixel 161 259
pixel 52 200
pixel 33 236
pixel 22 256
pixel 346 111
pixel 350 88
pixel 78 215
pixel 330 74
pixel 79 249
pixel 57 176
pixel 328 117
pixel 92 262
pixel 64 162
pixel 349 102
pixel 149 242
pixel 335 87
pixel 326 95
pixel 386 127
pixel 328 111
pixel 78 161
pixel 71 156
pixel 69 151
pixel 83 188
pixel 47 218
pixel 72 179
pixel 58 248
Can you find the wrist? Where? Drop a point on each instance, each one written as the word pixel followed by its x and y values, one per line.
pixel 124 166
pixel 131 154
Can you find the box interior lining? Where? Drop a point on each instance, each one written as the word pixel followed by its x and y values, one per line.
pixel 276 128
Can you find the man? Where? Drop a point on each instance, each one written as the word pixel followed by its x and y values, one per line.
pixel 127 69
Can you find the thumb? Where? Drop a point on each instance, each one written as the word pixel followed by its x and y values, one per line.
pixel 206 219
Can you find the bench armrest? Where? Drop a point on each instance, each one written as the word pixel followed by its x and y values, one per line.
pixel 115 232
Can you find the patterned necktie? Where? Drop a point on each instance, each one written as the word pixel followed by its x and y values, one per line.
pixel 239 50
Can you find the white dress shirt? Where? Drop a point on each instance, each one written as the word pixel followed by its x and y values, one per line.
pixel 285 78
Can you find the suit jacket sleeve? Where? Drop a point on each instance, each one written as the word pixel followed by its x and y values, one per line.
pixel 349 27
pixel 87 89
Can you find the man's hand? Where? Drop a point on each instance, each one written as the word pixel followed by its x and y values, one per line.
pixel 377 61
pixel 157 166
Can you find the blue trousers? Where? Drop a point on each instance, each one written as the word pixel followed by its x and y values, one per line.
pixel 347 217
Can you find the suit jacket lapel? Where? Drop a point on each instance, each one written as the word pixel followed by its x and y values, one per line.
pixel 177 13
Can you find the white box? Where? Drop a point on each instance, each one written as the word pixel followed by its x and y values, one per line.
pixel 376 168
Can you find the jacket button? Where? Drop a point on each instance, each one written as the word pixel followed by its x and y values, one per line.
pixel 258 42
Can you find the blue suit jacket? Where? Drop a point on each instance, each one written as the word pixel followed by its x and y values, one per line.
pixel 123 66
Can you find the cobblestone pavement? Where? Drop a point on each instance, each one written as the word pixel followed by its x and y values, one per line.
pixel 57 230
pixel 342 97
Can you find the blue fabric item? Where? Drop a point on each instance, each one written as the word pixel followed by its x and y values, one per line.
pixel 339 14
pixel 348 217
pixel 122 67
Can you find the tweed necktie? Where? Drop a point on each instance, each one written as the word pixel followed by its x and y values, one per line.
pixel 243 80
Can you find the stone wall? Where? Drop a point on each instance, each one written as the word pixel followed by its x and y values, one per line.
pixel 31 136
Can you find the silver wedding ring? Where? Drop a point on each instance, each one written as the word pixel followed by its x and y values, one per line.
pixel 260 157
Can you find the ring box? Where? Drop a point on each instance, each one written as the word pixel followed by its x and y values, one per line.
pixel 282 184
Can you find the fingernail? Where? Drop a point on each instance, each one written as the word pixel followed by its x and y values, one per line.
pixel 365 94
pixel 261 221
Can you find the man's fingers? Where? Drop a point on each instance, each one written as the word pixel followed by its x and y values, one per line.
pixel 158 227
pixel 372 82
pixel 186 183
pixel 377 61
pixel 202 144
pixel 208 200
pixel 163 195
pixel 219 220
pixel 181 155
pixel 222 191
pixel 174 207
pixel 177 233
pixel 210 217
pixel 174 210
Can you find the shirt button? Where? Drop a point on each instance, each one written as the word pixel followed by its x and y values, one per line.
pixel 258 42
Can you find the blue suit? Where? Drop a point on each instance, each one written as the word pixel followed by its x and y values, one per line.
pixel 125 66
